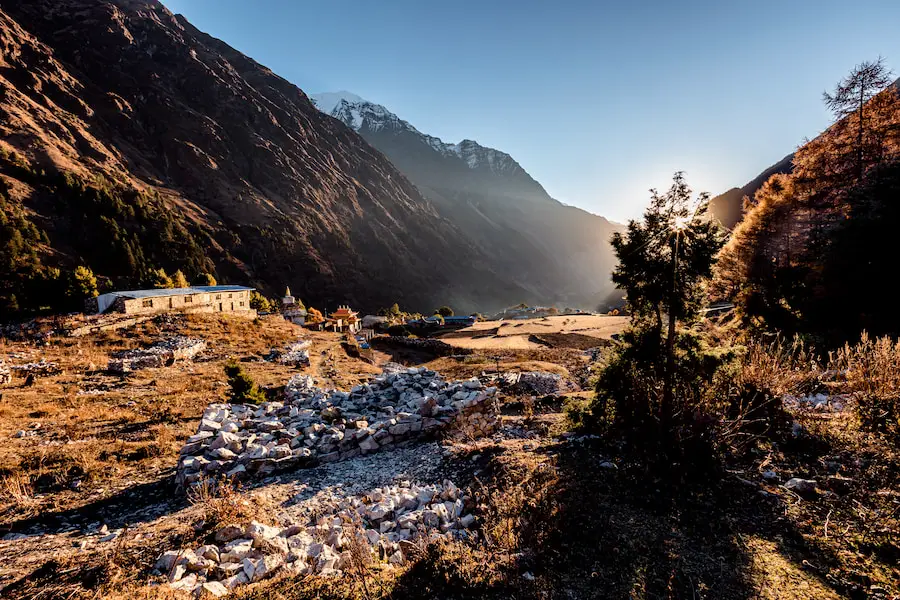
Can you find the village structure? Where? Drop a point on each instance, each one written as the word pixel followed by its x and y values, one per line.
pixel 292 310
pixel 202 298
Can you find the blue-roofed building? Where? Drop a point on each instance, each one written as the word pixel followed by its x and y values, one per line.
pixel 200 298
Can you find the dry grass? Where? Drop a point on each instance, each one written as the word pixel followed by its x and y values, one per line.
pixel 95 433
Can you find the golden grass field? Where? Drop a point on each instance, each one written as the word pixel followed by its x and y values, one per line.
pixel 517 334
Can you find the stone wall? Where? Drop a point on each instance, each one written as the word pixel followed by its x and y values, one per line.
pixel 314 425
pixel 237 302
pixel 436 347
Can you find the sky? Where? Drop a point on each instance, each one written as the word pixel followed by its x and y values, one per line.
pixel 599 101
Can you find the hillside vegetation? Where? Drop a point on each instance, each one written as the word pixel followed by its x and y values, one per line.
pixel 814 253
pixel 186 154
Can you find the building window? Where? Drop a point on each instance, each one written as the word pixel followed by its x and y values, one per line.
pixel 188 299
pixel 242 302
pixel 218 296
pixel 147 303
pixel 229 295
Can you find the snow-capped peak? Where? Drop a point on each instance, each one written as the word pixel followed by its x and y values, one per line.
pixel 328 101
pixel 355 112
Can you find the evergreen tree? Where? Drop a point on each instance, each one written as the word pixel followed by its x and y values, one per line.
pixel 260 302
pixel 159 279
pixel 445 311
pixel 82 285
pixel 243 390
pixel 179 280
pixel 851 97
pixel 205 279
pixel 663 262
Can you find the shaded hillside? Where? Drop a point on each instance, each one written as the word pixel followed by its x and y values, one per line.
pixel 558 253
pixel 814 250
pixel 728 208
pixel 240 162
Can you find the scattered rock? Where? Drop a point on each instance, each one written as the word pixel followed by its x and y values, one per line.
pixel 803 487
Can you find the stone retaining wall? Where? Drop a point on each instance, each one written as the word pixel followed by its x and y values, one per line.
pixel 314 425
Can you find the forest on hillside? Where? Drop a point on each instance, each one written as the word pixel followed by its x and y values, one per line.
pixel 815 252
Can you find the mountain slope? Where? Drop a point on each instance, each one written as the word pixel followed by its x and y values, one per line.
pixel 728 207
pixel 267 189
pixel 558 253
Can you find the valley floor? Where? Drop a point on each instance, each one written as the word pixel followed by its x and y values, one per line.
pixel 89 501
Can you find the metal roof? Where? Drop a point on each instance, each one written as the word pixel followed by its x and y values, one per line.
pixel 221 288
pixel 199 289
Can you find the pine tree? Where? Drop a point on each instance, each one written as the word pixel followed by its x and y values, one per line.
pixel 82 285
pixel 850 99
pixel 159 279
pixel 664 261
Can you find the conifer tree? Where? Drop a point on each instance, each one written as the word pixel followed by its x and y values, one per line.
pixel 179 280
pixel 664 261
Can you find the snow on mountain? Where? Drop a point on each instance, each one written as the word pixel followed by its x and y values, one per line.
pixel 326 102
pixel 355 112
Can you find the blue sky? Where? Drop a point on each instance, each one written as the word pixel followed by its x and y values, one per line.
pixel 599 101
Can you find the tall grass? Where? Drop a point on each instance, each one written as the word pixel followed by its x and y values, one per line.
pixel 871 369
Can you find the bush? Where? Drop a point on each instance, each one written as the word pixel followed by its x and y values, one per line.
pixel 205 279
pixel 872 369
pixel 260 302
pixel 243 389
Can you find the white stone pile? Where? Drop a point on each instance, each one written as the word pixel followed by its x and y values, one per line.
pixel 314 425
pixel 295 354
pixel 5 373
pixel 378 522
pixel 156 356
pixel 817 402
pixel 42 367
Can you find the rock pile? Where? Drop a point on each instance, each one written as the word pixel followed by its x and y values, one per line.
pixel 537 383
pixel 314 425
pixel 296 354
pixel 41 367
pixel 817 402
pixel 379 522
pixel 5 373
pixel 158 355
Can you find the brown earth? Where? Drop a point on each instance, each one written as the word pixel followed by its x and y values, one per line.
pixel 555 520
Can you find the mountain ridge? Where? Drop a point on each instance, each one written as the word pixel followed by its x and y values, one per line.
pixel 274 192
pixel 562 251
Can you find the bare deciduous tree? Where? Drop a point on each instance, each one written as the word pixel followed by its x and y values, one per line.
pixel 851 95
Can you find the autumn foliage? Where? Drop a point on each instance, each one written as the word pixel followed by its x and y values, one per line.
pixel 811 254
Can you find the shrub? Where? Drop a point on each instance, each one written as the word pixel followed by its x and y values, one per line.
pixel 260 302
pixel 243 389
pixel 872 369
pixel 205 279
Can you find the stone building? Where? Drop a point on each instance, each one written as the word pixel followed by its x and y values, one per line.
pixel 202 298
